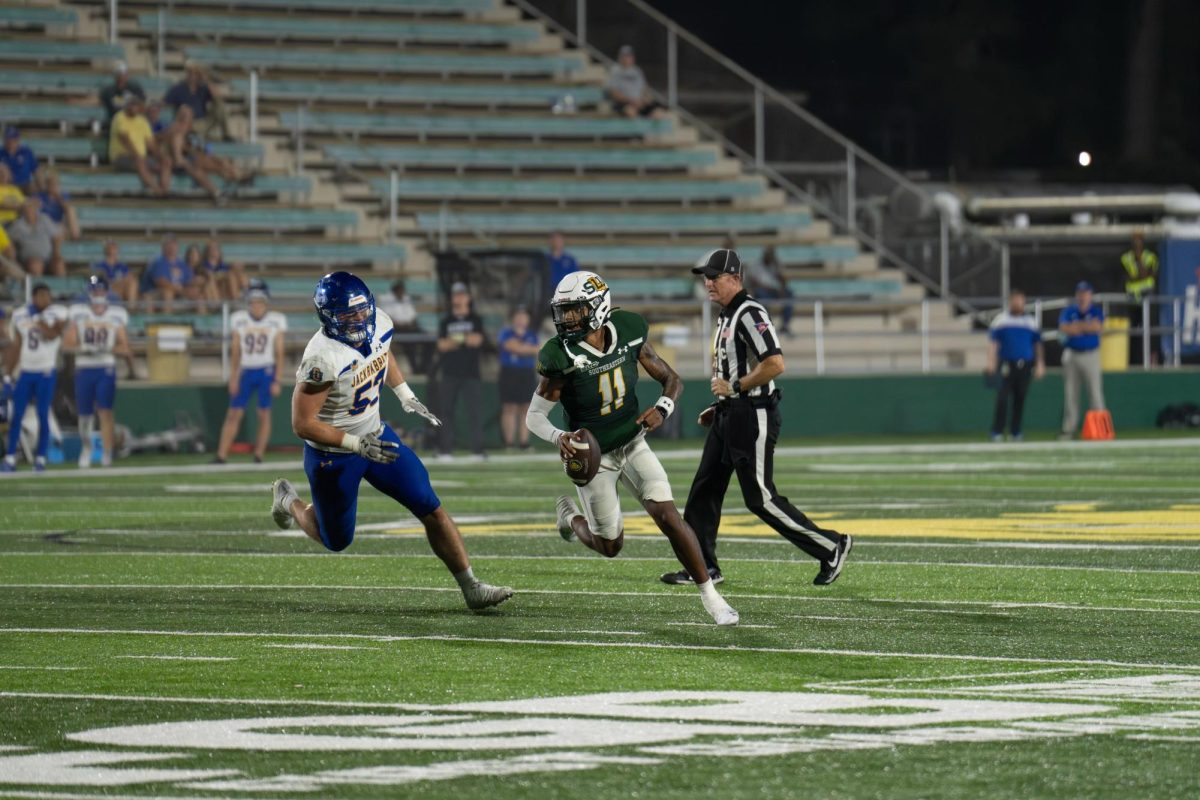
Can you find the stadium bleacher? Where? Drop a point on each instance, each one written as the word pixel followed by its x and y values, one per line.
pixel 496 132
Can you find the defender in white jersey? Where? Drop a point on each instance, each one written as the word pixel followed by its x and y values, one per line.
pixel 36 336
pixel 256 354
pixel 97 336
pixel 335 409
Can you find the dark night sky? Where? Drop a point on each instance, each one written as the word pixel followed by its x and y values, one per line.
pixel 979 85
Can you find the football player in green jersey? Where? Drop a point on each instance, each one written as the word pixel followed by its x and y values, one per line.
pixel 591 367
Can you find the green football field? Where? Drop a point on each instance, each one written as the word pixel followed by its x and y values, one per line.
pixel 1014 622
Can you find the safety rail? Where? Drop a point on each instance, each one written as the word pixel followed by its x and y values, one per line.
pixel 886 212
pixel 824 330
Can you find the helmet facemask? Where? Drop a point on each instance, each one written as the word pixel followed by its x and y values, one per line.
pixel 581 305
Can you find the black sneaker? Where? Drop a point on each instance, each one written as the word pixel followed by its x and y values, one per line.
pixel 683 578
pixel 833 567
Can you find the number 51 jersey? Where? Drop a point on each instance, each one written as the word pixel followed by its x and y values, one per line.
pixel 353 402
pixel 601 386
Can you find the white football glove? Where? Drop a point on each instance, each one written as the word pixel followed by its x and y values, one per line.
pixel 410 403
pixel 372 448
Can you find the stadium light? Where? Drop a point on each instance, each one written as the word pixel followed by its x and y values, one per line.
pixel 1085 158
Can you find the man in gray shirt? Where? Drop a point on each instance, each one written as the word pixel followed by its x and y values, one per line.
pixel 33 234
pixel 627 88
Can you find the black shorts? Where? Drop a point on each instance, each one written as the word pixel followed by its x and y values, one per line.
pixel 516 384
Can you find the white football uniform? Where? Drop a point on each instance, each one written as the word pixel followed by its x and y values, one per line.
pixel 257 337
pixel 97 333
pixel 353 401
pixel 37 353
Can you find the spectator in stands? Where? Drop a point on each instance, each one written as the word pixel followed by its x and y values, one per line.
pixel 766 281
pixel 8 257
pixel 33 235
pixel 114 95
pixel 132 147
pixel 460 343
pixel 20 160
pixel 173 139
pixel 518 346
pixel 230 279
pixel 1080 325
pixel 399 306
pixel 190 153
pixel 116 272
pixel 562 263
pixel 196 92
pixel 56 204
pixel 167 277
pixel 204 280
pixel 627 88
pixel 12 199
pixel 158 125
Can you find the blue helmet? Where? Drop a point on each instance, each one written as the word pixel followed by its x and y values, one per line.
pixel 346 308
pixel 97 290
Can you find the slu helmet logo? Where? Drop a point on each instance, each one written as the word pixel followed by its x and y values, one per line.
pixel 594 285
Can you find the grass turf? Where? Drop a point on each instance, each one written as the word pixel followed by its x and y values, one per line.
pixel 986 584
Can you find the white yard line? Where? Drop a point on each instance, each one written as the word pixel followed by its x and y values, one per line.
pixel 181 658
pixel 722 648
pixel 581 556
pixel 601 633
pixel 709 625
pixel 867 682
pixel 996 604
pixel 538 528
pixel 38 668
pixel 315 646
pixel 965 448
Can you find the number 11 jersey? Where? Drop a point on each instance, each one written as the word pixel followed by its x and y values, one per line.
pixel 601 385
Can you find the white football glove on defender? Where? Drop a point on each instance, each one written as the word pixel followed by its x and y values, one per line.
pixel 410 403
pixel 371 447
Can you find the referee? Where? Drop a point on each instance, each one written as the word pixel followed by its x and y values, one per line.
pixel 743 426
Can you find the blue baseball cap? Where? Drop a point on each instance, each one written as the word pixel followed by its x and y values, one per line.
pixel 11 132
pixel 1084 286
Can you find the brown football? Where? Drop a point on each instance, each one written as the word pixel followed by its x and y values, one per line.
pixel 584 465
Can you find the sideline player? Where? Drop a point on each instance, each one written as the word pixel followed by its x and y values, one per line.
pixel 256 364
pixel 36 336
pixel 97 335
pixel 335 409
pixel 591 366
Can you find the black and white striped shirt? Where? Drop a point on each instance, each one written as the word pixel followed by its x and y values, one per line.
pixel 745 336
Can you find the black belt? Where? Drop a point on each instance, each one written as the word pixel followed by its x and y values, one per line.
pixel 767 401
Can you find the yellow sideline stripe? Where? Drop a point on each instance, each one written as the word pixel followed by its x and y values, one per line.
pixel 1078 522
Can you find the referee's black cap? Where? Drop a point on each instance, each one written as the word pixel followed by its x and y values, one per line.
pixel 719 262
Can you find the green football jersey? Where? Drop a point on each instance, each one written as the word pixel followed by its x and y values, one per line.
pixel 600 392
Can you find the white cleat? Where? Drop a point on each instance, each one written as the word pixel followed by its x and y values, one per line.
pixel 281 506
pixel 724 614
pixel 481 595
pixel 567 511
pixel 85 458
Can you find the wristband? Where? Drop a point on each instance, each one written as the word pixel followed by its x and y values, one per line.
pixel 665 406
pixel 736 386
pixel 350 442
pixel 403 392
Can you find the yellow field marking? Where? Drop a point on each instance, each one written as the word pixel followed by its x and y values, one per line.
pixel 1075 507
pixel 1067 522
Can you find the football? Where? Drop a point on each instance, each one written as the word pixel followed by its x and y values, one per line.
pixel 584 465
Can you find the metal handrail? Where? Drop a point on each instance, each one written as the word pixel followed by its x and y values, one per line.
pixel 757 162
